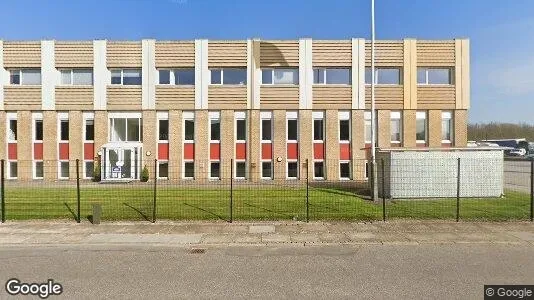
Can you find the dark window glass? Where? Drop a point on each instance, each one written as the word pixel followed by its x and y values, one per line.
pixel 241 129
pixel 420 130
pixel 338 76
pixel 13 172
pixel 421 75
pixel 266 132
pixel 266 169
pixel 184 77
pixel 163 171
pixel 163 130
pixel 292 131
pixel 64 169
pixel 240 169
pixel 318 76
pixel 14 77
pixel 383 75
pixel 344 130
pixel 189 130
pixel 439 76
pixel 344 170
pixel 318 169
pixel 215 130
pixel 116 77
pixel 215 169
pixel 189 170
pixel 39 169
pixel 89 130
pixel 292 169
pixel 38 130
pixel 235 76
pixel 64 130
pixel 215 76
pixel 368 77
pixel 164 76
pixel 89 169
pixel 318 129
pixel 131 77
pixel 267 76
pixel 13 130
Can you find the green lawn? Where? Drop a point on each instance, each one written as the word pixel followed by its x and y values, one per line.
pixel 253 203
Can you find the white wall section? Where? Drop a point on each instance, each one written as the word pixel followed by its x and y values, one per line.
pixel 49 75
pixel 149 74
pixel 101 74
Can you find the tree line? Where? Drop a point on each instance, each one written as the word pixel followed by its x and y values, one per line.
pixel 494 130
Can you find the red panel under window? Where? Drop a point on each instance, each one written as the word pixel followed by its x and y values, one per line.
pixel 12 151
pixel 292 151
pixel 163 151
pixel 215 151
pixel 241 151
pixel 38 151
pixel 63 150
pixel 266 151
pixel 88 151
pixel 344 151
pixel 318 150
pixel 189 151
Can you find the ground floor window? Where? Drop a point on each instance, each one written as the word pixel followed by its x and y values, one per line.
pixel 63 170
pixel 189 170
pixel 292 169
pixel 12 169
pixel 318 170
pixel 240 169
pixel 38 170
pixel 89 167
pixel 344 170
pixel 366 169
pixel 267 170
pixel 163 169
pixel 215 170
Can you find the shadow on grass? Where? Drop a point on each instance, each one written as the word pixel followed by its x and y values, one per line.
pixel 207 211
pixel 142 214
pixel 71 211
pixel 283 214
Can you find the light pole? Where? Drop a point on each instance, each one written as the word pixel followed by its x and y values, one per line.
pixel 374 186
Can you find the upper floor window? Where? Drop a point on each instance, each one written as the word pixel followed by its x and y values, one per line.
pixel 125 129
pixel 77 77
pixel 126 77
pixel 25 77
pixel 332 76
pixel 384 75
pixel 280 76
pixel 434 76
pixel 229 76
pixel 177 77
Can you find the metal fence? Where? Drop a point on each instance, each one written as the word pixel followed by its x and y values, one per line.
pixel 230 191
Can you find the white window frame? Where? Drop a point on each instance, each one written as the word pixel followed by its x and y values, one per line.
pixel 447 115
pixel 10 116
pixel 272 70
pixel 367 121
pixel 318 115
pixel 344 116
pixel 61 116
pixel 323 70
pixel 36 116
pixel 172 77
pixel 20 71
pixel 122 76
pixel 187 116
pixel 162 115
pixel 451 75
pixel 87 116
pixel 240 115
pixel 421 115
pixel 366 170
pixel 214 116
pixel 291 115
pixel 266 115
pixel 386 84
pixel 350 169
pixel 122 115
pixel 222 76
pixel 72 77
pixel 396 115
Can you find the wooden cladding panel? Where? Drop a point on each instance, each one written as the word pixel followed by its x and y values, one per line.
pixel 387 53
pixel 22 97
pixel 175 54
pixel 279 97
pixel 279 54
pixel 386 97
pixel 124 54
pixel 175 97
pixel 332 53
pixel 74 54
pixel 434 97
pixel 227 97
pixel 22 54
pixel 332 97
pixel 435 53
pixel 124 98
pixel 227 54
pixel 74 98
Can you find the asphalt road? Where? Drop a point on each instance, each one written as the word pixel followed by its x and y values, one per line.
pixel 517 176
pixel 434 271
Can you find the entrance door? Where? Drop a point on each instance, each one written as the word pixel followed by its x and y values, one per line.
pixel 120 163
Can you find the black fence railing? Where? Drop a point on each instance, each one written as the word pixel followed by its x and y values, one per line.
pixel 459 189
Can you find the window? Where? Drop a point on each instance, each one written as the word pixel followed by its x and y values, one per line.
pixel 318 170
pixel 367 125
pixel 266 129
pixel 241 128
pixel 266 145
pixel 318 126
pixel 266 170
pixel 434 76
pixel 12 130
pixel 126 77
pixel 13 170
pixel 332 76
pixel 446 127
pixel 89 130
pixel 77 77
pixel 163 140
pixel 12 137
pixel 38 133
pixel 189 129
pixel 396 127
pixel 125 129
pixel 64 130
pixel 292 137
pixel 384 76
pixel 240 169
pixel 344 170
pixel 215 170
pixel 420 127
pixel 177 77
pixel 88 137
pixel 229 76
pixel 292 129
pixel 164 77
pixel 280 76
pixel 64 169
pixel 38 169
pixel 37 137
pixel 163 130
pixel 163 169
pixel 188 143
pixel 189 169
pixel 318 139
pixel 89 169
pixel 344 126
pixel 215 129
pixel 25 77
pixel 292 169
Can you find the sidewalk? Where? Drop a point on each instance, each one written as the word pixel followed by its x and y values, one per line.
pixel 264 233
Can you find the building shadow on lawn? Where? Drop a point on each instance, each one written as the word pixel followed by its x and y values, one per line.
pixel 286 215
pixel 71 211
pixel 207 211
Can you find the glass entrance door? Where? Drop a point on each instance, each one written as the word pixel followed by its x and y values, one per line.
pixel 120 163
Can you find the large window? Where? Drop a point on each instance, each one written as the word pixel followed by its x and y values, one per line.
pixel 126 77
pixel 189 129
pixel 163 130
pixel 38 166
pixel 188 143
pixel 318 139
pixel 12 137
pixel 163 140
pixel 332 76
pixel 292 139
pixel 396 127
pixel 280 76
pixel 384 75
pixel 266 145
pixel 88 139
pixel 125 129
pixel 77 77
pixel 421 127
pixel 434 76
pixel 229 76
pixel 64 129
pixel 446 127
pixel 177 77
pixel 241 138
pixel 367 127
pixel 344 126
pixel 25 77
pixel 215 129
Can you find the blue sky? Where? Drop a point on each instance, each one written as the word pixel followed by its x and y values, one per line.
pixel 501 32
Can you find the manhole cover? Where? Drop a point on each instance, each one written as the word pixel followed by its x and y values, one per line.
pixel 197 251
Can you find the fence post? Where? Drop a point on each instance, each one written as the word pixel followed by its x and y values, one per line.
pixel 383 191
pixel 155 189
pixel 2 190
pixel 78 189
pixel 231 190
pixel 458 192
pixel 531 190
pixel 307 191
